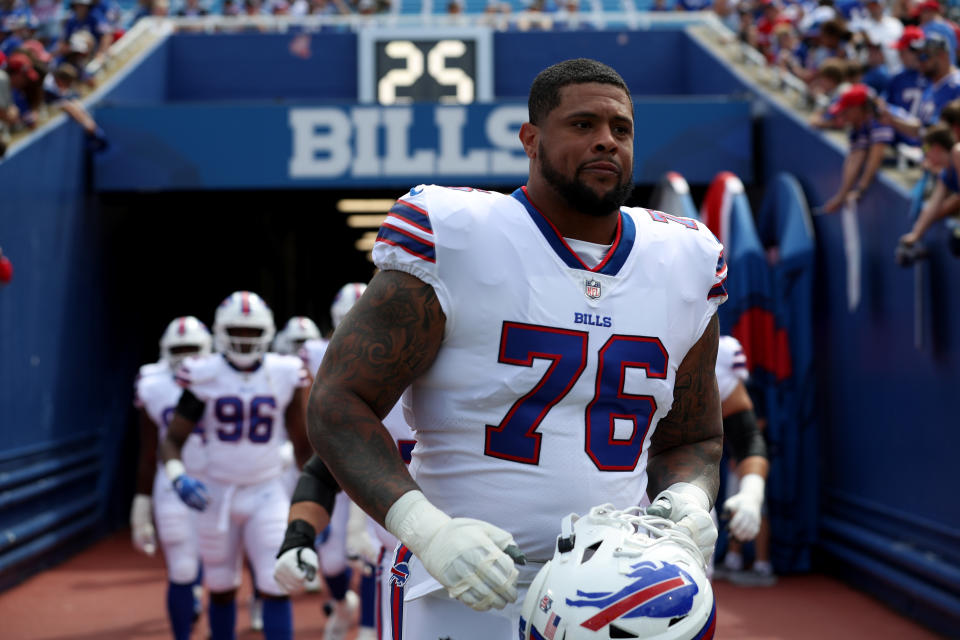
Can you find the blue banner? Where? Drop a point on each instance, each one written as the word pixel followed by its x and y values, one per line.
pixel 275 146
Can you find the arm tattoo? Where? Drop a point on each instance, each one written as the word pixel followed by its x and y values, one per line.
pixel 688 441
pixel 389 338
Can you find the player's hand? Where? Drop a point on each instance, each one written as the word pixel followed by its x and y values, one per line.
pixel 360 544
pixel 141 525
pixel 473 559
pixel 296 567
pixel 688 506
pixel 745 507
pixel 191 491
pixel 297 561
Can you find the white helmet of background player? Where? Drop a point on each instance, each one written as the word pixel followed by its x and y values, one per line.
pixel 184 336
pixel 344 301
pixel 298 330
pixel 243 328
pixel 620 574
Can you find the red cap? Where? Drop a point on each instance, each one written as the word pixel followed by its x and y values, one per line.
pixel 909 35
pixel 925 5
pixel 855 96
pixel 37 49
pixel 21 62
pixel 3 59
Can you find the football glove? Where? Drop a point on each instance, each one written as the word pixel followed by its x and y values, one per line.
pixel 473 559
pixel 191 491
pixel 689 507
pixel 297 562
pixel 359 542
pixel 141 525
pixel 745 506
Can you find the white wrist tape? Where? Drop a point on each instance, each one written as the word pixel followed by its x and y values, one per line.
pixel 753 485
pixel 414 521
pixel 142 510
pixel 693 493
pixel 174 469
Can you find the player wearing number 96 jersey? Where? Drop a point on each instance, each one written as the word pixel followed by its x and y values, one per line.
pixel 559 351
pixel 246 398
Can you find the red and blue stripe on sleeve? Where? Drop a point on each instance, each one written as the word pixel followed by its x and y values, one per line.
pixel 719 290
pixel 407 226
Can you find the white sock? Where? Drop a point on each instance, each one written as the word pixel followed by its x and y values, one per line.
pixel 733 561
pixel 763 567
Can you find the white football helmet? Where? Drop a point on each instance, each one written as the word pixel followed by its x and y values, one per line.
pixel 344 301
pixel 243 310
pixel 184 336
pixel 298 330
pixel 620 574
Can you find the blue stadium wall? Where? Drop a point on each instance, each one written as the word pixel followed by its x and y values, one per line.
pixel 889 519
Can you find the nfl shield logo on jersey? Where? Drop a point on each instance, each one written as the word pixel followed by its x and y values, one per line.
pixel 592 289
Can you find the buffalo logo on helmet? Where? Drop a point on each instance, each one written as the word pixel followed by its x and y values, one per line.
pixel 545 603
pixel 661 590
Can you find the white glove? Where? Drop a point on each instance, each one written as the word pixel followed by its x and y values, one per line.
pixel 466 556
pixel 359 543
pixel 295 568
pixel 141 525
pixel 745 507
pixel 689 507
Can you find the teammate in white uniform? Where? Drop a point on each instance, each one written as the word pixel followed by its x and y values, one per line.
pixel 747 485
pixel 246 398
pixel 559 352
pixel 297 331
pixel 156 397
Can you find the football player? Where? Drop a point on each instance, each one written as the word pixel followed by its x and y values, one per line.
pixel 246 398
pixel 298 330
pixel 747 446
pixel 556 351
pixel 156 397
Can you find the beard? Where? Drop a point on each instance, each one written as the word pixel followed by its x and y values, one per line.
pixel 579 196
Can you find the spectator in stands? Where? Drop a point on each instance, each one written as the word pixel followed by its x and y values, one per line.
pixel 942 157
pixel 24 84
pixel 906 87
pixel 533 17
pixel 83 19
pixel 930 19
pixel 881 29
pixel 570 18
pixel 869 140
pixel 726 10
pixel 191 9
pixel 9 113
pixel 59 91
pixel 825 87
pixel 873 72
pixel 933 53
pixel 834 42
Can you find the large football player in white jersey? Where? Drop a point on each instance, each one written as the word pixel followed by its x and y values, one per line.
pixel 157 395
pixel 555 351
pixel 246 398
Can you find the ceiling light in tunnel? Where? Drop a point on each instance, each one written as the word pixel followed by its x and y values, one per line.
pixel 364 205
pixel 365 220
pixel 366 242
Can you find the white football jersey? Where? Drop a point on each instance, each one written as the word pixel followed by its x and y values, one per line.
pixel 731 366
pixel 552 376
pixel 244 417
pixel 158 393
pixel 312 354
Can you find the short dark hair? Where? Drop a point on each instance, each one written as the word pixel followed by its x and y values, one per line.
pixel 940 135
pixel 951 113
pixel 545 90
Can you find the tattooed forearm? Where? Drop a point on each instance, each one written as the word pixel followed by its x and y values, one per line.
pixel 688 441
pixel 389 339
